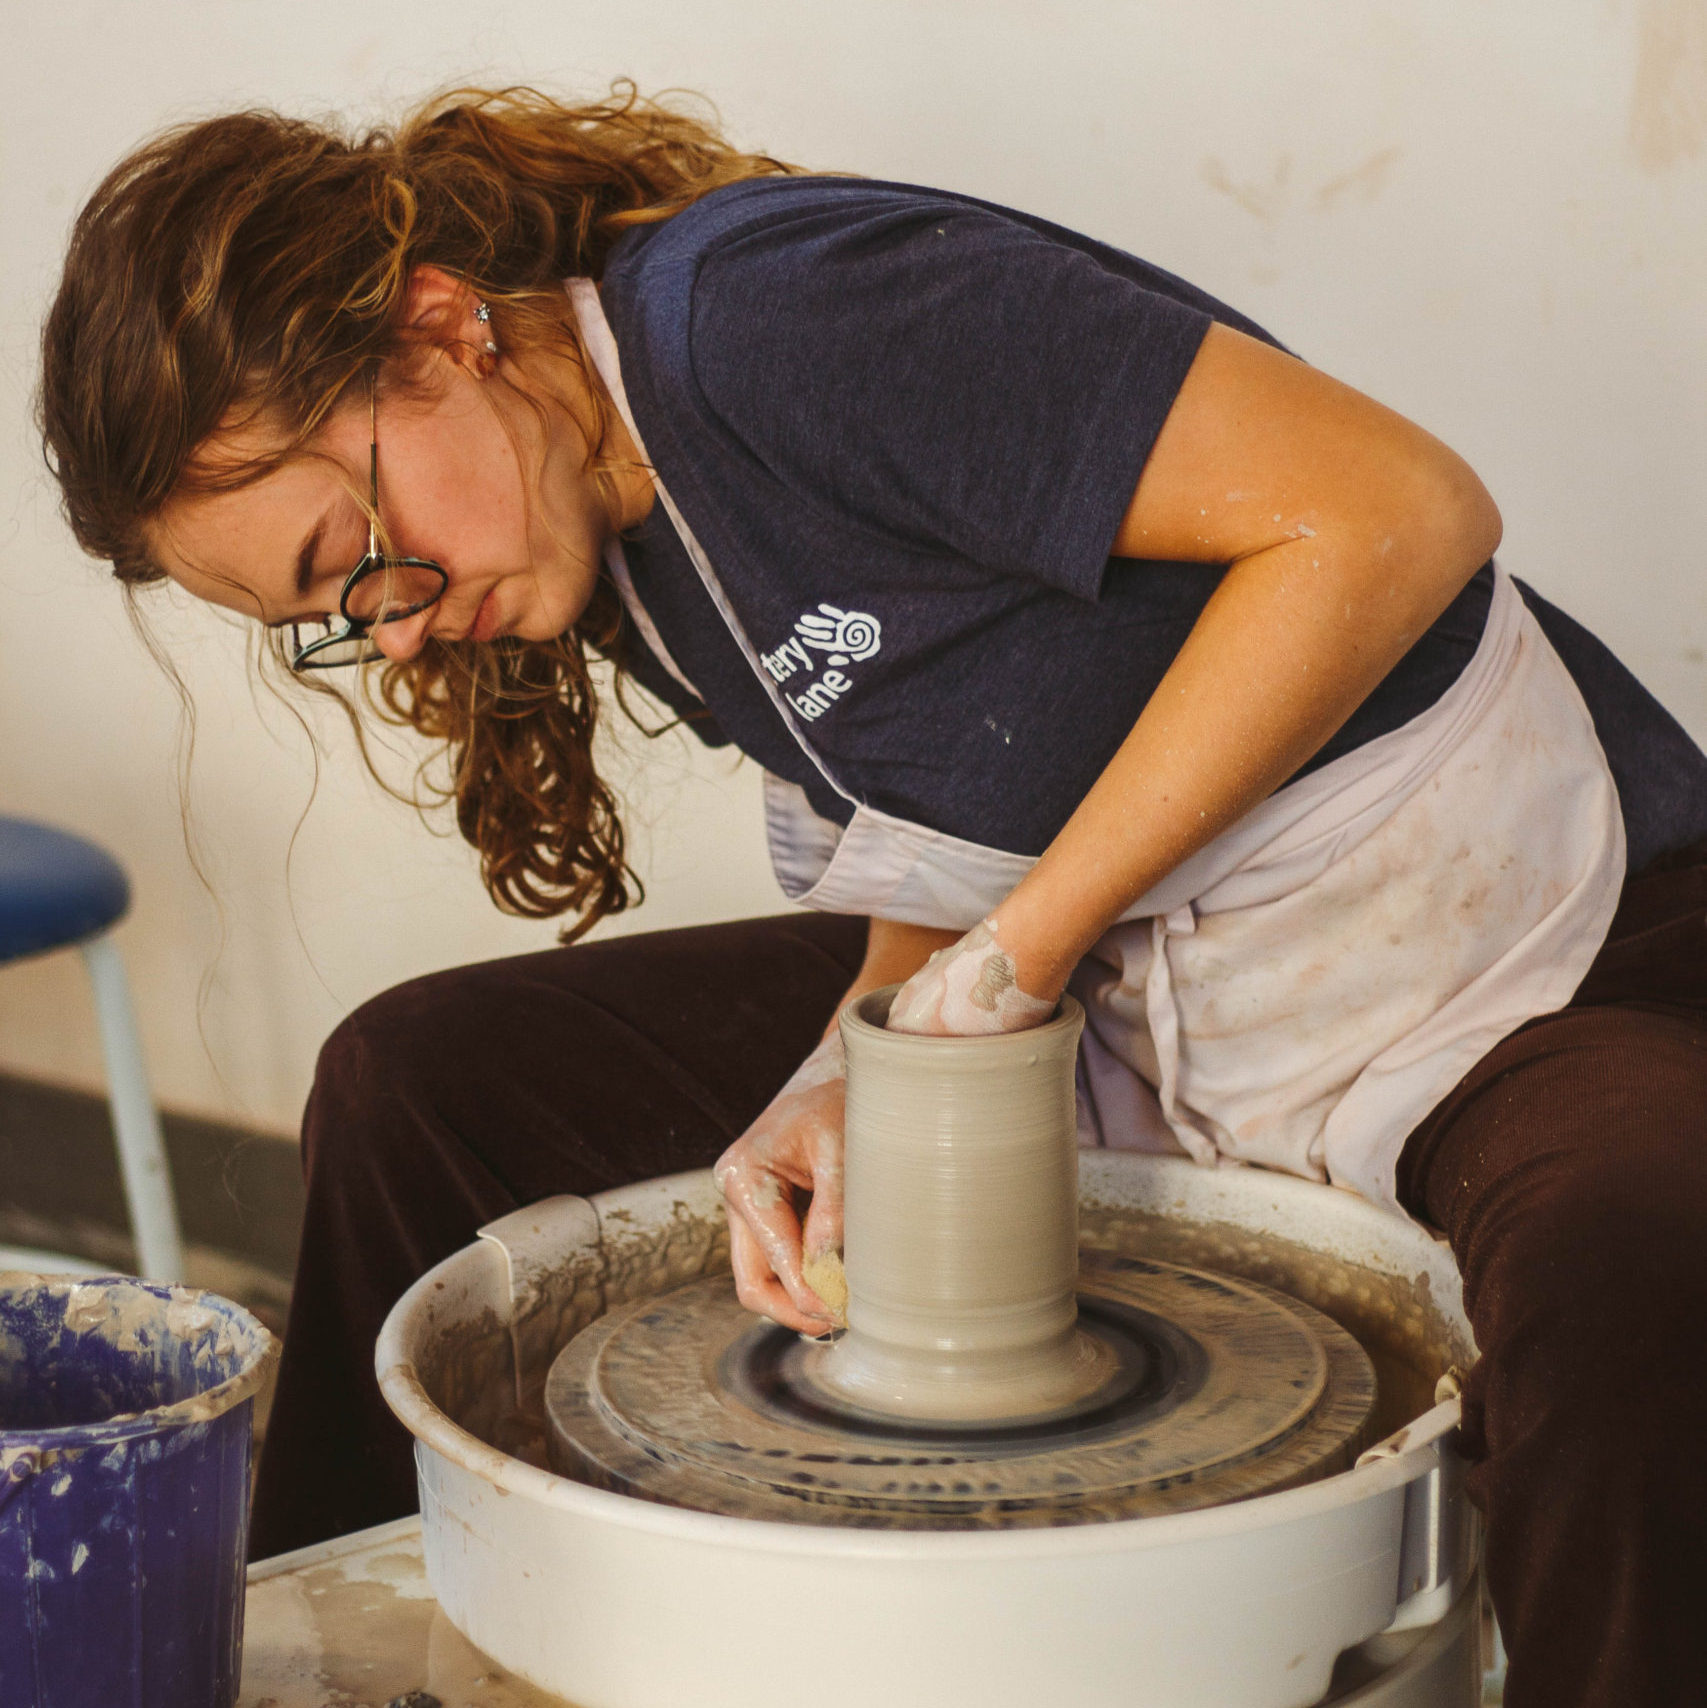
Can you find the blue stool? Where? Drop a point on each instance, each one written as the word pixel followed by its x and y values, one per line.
pixel 57 891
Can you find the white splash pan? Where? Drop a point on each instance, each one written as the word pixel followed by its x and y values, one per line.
pixel 620 1603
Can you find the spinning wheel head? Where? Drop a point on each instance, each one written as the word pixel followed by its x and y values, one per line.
pixel 1211 1390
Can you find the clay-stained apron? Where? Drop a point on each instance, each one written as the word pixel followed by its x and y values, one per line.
pixel 1305 988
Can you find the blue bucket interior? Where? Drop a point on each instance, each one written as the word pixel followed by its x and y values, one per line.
pixel 84 1353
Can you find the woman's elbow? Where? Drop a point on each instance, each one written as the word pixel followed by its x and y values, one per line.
pixel 1438 525
pixel 1464 517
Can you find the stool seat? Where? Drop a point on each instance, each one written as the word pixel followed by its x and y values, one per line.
pixel 56 889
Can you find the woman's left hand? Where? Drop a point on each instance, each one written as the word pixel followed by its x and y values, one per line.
pixel 970 989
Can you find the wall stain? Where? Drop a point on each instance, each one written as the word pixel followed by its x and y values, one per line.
pixel 1362 183
pixel 1668 105
pixel 1267 200
pixel 1262 201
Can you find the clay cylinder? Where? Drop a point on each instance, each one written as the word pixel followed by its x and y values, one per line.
pixel 961 1230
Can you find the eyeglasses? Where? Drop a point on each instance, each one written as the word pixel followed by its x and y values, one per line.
pixel 380 589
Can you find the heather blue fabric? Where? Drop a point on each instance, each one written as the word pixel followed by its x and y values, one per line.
pixel 878 402
pixel 1661 774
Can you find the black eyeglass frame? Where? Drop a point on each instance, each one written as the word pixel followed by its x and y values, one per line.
pixel 373 562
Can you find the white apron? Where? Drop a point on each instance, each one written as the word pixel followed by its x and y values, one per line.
pixel 1301 991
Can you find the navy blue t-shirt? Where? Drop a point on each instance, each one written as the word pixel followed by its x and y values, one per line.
pixel 905 425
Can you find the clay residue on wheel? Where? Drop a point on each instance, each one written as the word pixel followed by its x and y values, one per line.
pixel 1409 1338
pixel 470 1370
pixel 559 1302
pixel 469 1373
pixel 644 1259
pixel 1223 1391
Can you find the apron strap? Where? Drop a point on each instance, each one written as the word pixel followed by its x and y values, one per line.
pixel 601 346
pixel 616 561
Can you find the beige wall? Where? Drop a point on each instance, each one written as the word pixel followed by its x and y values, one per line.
pixel 1493 218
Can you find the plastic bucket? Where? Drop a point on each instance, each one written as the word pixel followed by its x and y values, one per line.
pixel 125 1419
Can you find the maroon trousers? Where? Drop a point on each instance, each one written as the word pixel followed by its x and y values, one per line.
pixel 1569 1171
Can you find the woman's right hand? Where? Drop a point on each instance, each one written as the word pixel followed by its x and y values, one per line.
pixel 793 1150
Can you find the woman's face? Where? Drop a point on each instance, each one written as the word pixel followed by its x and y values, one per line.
pixel 470 477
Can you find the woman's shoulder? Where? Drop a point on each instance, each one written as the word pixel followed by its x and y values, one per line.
pixel 795 205
pixel 912 360
pixel 759 268
pixel 758 218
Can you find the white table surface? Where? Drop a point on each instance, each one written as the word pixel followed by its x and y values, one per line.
pixel 352 1624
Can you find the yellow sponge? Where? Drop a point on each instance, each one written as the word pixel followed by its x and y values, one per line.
pixel 826 1277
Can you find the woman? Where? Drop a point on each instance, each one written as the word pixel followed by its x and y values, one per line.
pixel 1086 638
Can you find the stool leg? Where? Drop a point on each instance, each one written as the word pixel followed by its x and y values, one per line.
pixel 136 1124
pixel 1493 1681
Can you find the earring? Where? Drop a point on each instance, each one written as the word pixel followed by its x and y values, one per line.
pixel 484 315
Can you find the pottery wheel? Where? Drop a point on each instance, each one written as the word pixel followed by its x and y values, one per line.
pixel 1221 1389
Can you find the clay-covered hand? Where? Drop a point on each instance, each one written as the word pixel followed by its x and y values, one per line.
pixel 794 1148
pixel 969 989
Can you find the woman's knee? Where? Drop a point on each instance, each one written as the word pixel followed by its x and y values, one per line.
pixel 382 1070
pixel 1586 1278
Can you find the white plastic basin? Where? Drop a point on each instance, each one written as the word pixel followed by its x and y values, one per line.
pixel 619 1603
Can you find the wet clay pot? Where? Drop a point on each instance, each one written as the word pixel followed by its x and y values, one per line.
pixel 961 1236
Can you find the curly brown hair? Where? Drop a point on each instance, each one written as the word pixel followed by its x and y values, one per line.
pixel 256 265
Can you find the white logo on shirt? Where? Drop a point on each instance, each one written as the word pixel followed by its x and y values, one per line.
pixel 845 637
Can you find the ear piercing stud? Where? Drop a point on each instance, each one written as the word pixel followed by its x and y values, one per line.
pixel 484 315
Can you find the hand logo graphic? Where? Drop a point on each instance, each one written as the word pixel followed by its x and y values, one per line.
pixel 845 635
